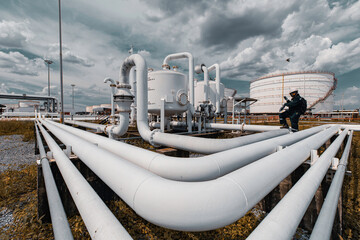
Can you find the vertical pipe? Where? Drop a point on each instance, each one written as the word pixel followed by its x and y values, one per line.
pixel 61 69
pixel 206 84
pixel 162 115
pixel 58 218
pixel 325 220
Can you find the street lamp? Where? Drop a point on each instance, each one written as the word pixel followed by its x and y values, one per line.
pixel 61 69
pixel 73 85
pixel 48 62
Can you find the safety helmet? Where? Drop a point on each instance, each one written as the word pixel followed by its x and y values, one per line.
pixel 292 90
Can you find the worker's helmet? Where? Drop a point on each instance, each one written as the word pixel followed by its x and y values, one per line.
pixel 293 90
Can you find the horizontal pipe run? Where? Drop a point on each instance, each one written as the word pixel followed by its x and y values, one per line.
pixel 282 221
pixel 95 126
pixel 208 145
pixel 59 221
pixel 202 168
pixel 192 206
pixel 242 127
pixel 99 220
pixel 325 220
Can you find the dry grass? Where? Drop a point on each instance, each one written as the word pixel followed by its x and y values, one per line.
pixel 25 128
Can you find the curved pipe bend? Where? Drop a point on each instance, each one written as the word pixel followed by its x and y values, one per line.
pixel 216 66
pixel 195 168
pixel 192 206
pixel 119 129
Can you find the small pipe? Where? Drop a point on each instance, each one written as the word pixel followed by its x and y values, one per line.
pixel 112 85
pixel 94 126
pixel 325 220
pixel 174 56
pixel 282 221
pixel 59 221
pixel 206 84
pixel 99 220
pixel 217 82
pixel 121 128
pixel 242 127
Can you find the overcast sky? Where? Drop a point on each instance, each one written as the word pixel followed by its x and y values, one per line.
pixel 248 39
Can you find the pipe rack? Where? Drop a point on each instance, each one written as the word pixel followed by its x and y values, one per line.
pixel 282 221
pixel 325 220
pixel 99 220
pixel 59 221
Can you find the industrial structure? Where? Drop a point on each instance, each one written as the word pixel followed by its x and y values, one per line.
pixel 315 86
pixel 196 193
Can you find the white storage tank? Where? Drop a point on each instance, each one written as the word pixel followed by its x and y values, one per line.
pixel 171 86
pixel 315 86
pixel 200 92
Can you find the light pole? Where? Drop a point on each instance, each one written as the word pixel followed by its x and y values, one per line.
pixel 61 70
pixel 48 62
pixel 73 96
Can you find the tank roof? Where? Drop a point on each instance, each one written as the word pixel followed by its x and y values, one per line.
pixel 292 73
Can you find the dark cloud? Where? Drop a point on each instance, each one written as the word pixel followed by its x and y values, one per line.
pixel 223 31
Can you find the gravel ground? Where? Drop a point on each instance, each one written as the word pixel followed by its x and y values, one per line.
pixel 14 152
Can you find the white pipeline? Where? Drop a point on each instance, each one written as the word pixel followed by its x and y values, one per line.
pixel 59 221
pixel 112 85
pixel 192 206
pixel 99 220
pixel 242 127
pixel 217 84
pixel 325 220
pixel 202 168
pixel 282 221
pixel 206 83
pixel 94 126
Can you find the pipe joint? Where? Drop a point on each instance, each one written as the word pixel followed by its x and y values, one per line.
pixel 151 139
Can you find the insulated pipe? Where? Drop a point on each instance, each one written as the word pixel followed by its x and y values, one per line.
pixel 141 90
pixel 282 221
pixel 95 126
pixel 192 206
pixel 202 168
pixel 217 84
pixel 133 92
pixel 99 220
pixel 119 129
pixel 206 84
pixel 242 127
pixel 112 85
pixel 325 220
pixel 57 213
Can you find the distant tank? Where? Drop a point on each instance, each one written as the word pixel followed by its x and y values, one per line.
pixel 200 92
pixel 315 86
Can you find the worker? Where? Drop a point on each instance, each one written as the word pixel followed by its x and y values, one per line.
pixel 296 107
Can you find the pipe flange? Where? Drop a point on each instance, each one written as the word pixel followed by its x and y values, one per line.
pixel 124 85
pixel 165 66
pixel 151 139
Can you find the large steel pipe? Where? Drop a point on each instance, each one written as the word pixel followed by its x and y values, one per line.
pixel 59 221
pixel 192 169
pixel 99 220
pixel 94 126
pixel 325 220
pixel 282 221
pixel 192 206
pixel 242 127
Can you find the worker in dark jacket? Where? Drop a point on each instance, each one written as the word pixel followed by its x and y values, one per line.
pixel 294 112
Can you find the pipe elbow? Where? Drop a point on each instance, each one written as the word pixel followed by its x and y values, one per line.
pixel 120 129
